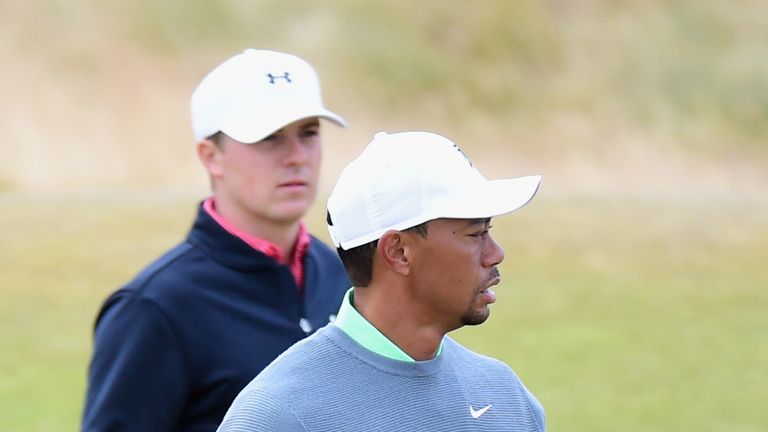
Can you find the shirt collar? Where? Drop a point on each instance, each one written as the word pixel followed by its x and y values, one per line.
pixel 363 332
pixel 296 261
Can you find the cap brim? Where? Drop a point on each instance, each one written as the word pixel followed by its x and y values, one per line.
pixel 493 198
pixel 255 128
pixel 484 200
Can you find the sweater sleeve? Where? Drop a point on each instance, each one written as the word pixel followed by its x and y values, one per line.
pixel 538 410
pixel 136 379
pixel 256 410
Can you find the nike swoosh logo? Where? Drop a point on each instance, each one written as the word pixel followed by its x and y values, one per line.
pixel 478 413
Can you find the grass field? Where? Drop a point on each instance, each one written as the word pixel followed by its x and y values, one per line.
pixel 628 314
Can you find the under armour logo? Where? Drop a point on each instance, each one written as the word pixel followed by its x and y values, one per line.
pixel 284 76
pixel 464 154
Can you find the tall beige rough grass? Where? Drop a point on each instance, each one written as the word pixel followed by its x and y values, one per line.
pixel 645 97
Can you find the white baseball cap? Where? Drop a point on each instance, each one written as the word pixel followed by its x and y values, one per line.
pixel 255 93
pixel 404 179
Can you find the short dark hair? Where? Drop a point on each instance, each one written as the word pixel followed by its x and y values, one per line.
pixel 359 260
pixel 217 139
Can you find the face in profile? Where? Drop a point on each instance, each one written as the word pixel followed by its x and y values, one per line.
pixel 454 268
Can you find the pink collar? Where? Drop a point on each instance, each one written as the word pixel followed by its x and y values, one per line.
pixel 296 261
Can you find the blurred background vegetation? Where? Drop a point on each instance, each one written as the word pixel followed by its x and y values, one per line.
pixel 634 295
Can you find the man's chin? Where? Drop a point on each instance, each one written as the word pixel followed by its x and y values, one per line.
pixel 477 317
pixel 290 212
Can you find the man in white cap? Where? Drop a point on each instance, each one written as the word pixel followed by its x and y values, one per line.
pixel 174 346
pixel 410 218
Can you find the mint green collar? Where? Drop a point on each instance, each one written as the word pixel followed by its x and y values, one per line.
pixel 363 332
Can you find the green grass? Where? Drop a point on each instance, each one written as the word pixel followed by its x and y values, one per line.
pixel 646 316
pixel 59 259
pixel 620 314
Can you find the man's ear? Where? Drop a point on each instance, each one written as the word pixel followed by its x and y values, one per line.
pixel 394 250
pixel 209 153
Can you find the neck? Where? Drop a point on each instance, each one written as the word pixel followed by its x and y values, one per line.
pixel 281 233
pixel 388 308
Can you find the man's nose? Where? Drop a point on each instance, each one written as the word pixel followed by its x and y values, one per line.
pixel 296 150
pixel 494 254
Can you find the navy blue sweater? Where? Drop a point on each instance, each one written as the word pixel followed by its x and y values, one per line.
pixel 174 347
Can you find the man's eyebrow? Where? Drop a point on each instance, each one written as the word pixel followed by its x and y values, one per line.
pixel 478 221
pixel 310 123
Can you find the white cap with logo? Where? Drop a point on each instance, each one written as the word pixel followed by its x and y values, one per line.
pixel 401 180
pixel 255 93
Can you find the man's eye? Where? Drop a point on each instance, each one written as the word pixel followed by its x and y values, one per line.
pixel 272 137
pixel 482 233
pixel 310 132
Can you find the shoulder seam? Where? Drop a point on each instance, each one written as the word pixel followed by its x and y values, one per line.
pixel 187 247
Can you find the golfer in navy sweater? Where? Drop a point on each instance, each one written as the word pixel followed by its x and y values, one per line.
pixel 410 218
pixel 174 346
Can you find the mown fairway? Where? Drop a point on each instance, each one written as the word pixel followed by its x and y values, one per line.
pixel 624 314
